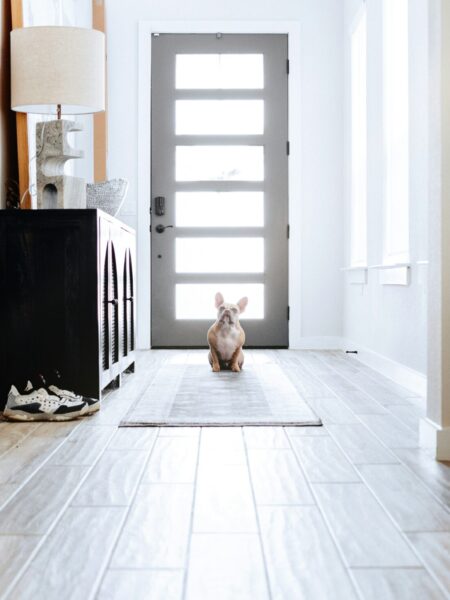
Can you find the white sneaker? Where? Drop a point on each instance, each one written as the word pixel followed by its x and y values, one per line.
pixel 39 405
pixel 56 388
pixel 92 405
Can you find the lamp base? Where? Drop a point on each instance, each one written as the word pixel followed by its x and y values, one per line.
pixel 62 191
pixel 55 189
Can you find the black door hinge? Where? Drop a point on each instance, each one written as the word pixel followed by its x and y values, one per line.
pixel 287 66
pixel 288 312
pixel 288 231
pixel 288 148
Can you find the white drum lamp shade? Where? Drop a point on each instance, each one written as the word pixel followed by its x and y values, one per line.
pixel 53 66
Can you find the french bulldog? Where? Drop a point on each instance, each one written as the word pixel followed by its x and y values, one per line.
pixel 226 336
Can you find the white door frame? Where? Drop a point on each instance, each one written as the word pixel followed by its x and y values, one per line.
pixel 146 28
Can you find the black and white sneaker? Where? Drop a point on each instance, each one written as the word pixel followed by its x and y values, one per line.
pixel 39 405
pixel 57 388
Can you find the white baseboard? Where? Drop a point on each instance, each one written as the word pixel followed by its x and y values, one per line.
pixel 317 343
pixel 435 437
pixel 404 376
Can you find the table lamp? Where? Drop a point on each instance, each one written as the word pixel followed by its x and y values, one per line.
pixel 57 70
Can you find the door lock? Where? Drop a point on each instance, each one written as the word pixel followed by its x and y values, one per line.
pixel 160 206
pixel 161 228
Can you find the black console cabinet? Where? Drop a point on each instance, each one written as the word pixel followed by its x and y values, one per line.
pixel 67 297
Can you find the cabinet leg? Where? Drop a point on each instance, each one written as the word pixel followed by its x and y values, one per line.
pixel 131 368
pixel 117 381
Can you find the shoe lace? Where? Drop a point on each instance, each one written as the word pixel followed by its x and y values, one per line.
pixel 67 393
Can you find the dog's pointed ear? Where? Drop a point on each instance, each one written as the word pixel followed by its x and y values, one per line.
pixel 219 299
pixel 242 303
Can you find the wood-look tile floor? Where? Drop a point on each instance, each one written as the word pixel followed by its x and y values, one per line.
pixel 353 509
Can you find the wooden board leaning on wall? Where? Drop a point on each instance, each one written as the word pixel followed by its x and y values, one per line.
pixel 21 122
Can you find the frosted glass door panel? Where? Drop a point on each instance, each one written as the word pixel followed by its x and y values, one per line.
pixel 196 300
pixel 219 163
pixel 219 71
pixel 219 209
pixel 219 117
pixel 219 255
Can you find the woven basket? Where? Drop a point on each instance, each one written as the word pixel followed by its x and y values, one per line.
pixel 107 195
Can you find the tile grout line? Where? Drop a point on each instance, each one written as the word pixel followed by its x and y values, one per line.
pixel 328 525
pixel 191 521
pixel 392 414
pixel 359 388
pixel 391 450
pixel 19 441
pixel 333 371
pixel 402 534
pixel 373 374
pixel 308 478
pixel 446 510
pixel 107 559
pixel 41 465
pixel 59 516
pixel 153 569
pixel 144 451
pixel 258 523
pixel 391 568
pixel 359 422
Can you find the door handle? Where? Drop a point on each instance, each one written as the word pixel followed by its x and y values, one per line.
pixel 161 228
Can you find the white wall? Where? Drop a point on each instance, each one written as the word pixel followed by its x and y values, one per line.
pixel 386 319
pixel 322 167
pixel 321 106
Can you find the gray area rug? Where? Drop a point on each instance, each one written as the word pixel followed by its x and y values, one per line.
pixel 190 394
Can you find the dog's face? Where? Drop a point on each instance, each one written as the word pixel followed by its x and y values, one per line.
pixel 228 313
